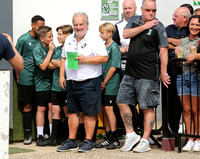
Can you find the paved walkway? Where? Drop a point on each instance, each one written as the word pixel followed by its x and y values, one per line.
pixel 50 153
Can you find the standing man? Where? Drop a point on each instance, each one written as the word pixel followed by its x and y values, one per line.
pixel 84 89
pixel 129 9
pixel 141 80
pixel 177 30
pixel 26 87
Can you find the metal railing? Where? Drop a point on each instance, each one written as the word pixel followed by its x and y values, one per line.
pixel 176 68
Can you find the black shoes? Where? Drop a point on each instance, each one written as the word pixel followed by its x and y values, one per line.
pixel 41 141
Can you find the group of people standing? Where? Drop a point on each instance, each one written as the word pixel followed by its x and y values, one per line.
pixel 126 70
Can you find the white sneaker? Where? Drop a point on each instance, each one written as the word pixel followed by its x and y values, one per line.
pixel 151 142
pixel 143 146
pixel 130 142
pixel 196 147
pixel 189 146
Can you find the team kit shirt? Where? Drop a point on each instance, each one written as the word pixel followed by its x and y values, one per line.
pixel 143 55
pixel 91 45
pixel 43 79
pixel 114 59
pixel 6 50
pixel 56 72
pixel 25 45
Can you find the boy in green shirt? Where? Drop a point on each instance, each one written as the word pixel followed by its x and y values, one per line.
pixel 110 85
pixel 43 80
pixel 26 87
pixel 58 95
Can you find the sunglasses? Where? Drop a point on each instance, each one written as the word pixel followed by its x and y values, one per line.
pixel 150 10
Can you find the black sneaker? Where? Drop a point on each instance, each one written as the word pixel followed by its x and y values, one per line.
pixel 28 140
pixel 114 144
pixel 52 142
pixel 41 141
pixel 68 145
pixel 103 143
pixel 88 145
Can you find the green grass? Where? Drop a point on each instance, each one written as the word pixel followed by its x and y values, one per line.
pixel 13 150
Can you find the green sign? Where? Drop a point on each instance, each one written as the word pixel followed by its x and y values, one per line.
pixel 196 2
pixel 110 9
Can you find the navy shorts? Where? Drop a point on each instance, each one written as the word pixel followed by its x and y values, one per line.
pixel 139 91
pixel 59 98
pixel 43 98
pixel 109 100
pixel 26 94
pixel 84 96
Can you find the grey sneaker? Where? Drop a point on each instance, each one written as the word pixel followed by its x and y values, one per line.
pixel 87 146
pixel 143 146
pixel 68 145
pixel 130 142
pixel 28 140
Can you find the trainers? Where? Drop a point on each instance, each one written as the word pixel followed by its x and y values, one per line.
pixel 68 145
pixel 87 146
pixel 189 146
pixel 143 146
pixel 151 142
pixel 196 147
pixel 28 140
pixel 41 141
pixel 130 142
pixel 102 144
pixel 113 144
pixel 46 137
pixel 80 143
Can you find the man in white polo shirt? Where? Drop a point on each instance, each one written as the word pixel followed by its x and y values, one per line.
pixel 84 89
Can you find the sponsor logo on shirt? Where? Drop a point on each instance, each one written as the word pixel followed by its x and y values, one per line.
pixel 84 45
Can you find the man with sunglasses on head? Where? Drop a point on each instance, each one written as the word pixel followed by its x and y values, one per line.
pixel 140 84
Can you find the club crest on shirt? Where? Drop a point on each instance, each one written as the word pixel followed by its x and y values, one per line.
pixel 84 45
pixel 149 32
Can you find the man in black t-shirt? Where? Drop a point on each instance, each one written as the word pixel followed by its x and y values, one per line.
pixel 140 84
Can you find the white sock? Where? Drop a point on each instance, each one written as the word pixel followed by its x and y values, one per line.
pixel 40 130
pixel 50 129
pixel 131 134
pixel 147 141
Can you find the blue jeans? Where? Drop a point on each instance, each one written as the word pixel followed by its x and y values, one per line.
pixel 187 85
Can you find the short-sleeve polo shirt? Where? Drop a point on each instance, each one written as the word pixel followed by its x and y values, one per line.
pixel 91 45
pixel 144 49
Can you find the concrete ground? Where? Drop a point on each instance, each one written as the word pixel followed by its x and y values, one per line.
pixel 50 153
